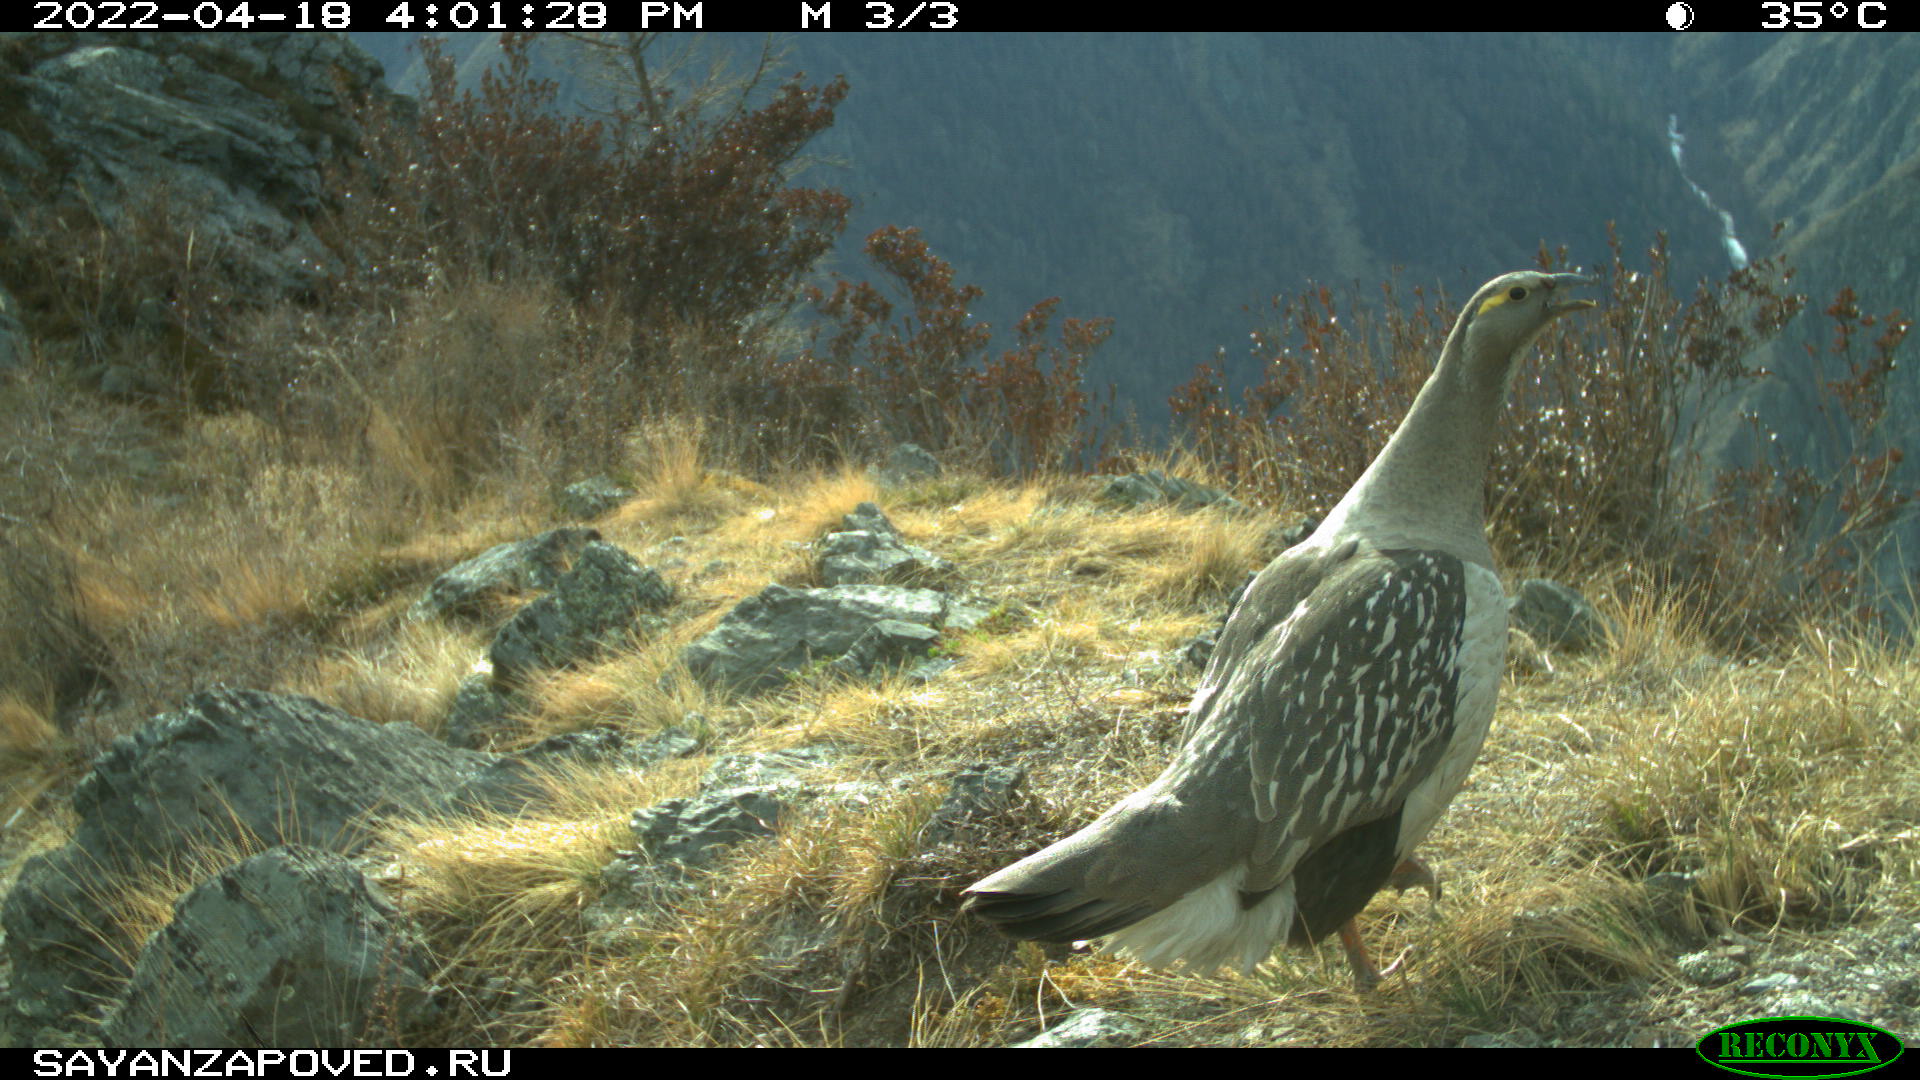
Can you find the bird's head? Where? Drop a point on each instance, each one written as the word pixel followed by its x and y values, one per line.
pixel 1507 313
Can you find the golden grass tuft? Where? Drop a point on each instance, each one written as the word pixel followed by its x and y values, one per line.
pixel 1219 554
pixel 409 679
pixel 35 756
pixel 1778 784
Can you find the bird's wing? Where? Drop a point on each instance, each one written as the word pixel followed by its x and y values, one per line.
pixel 1342 692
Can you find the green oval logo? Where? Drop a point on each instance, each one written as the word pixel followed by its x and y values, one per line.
pixel 1799 1047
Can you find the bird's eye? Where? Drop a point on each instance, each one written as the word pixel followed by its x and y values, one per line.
pixel 1516 293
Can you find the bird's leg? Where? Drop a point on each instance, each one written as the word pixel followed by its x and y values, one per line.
pixel 1365 975
pixel 1411 872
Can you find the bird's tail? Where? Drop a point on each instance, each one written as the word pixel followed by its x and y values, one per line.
pixel 1047 897
pixel 1118 870
pixel 1150 879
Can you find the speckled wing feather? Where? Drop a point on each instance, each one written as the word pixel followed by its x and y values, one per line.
pixel 1341 698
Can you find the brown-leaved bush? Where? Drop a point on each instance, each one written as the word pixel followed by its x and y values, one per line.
pixel 927 376
pixel 1600 460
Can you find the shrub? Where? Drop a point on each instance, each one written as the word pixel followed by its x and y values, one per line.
pixel 926 377
pixel 1599 462
pixel 671 214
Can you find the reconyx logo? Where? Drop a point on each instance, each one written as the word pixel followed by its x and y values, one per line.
pixel 1800 1047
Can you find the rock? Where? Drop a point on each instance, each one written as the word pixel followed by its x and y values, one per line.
pixel 229 766
pixel 742 796
pixel 1767 984
pixel 608 747
pixel 1803 1003
pixel 588 499
pixel 870 550
pixel 769 637
pixel 226 136
pixel 963 614
pixel 784 769
pixel 885 646
pixel 976 792
pixel 502 570
pixel 929 669
pixel 908 463
pixel 860 557
pixel 1086 1028
pixel 594 605
pixel 1153 487
pixel 1710 967
pixel 869 517
pixel 673 742
pixel 692 830
pixel 479 712
pixel 1558 617
pixel 292 947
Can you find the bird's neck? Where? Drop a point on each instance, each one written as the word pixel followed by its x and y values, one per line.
pixel 1426 488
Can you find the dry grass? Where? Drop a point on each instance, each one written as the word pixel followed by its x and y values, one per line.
pixel 1784 783
pixel 1645 757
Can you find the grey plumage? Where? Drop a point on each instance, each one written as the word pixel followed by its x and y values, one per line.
pixel 1348 695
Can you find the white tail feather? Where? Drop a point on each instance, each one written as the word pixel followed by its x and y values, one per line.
pixel 1207 928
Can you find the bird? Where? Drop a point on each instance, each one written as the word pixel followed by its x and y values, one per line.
pixel 1348 696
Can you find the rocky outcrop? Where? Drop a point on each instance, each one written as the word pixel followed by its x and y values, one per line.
pixel 691 831
pixel 885 646
pixel 908 463
pixel 742 797
pixel 226 138
pixel 1554 615
pixel 479 712
pixel 1153 487
pixel 772 636
pixel 503 571
pixel 600 600
pixel 292 947
pixel 1084 1028
pixel 597 595
pixel 588 499
pixel 232 769
pixel 870 550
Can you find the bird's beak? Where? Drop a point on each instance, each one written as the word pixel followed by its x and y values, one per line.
pixel 1562 303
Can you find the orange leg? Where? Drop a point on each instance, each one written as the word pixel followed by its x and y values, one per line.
pixel 1365 975
pixel 1410 873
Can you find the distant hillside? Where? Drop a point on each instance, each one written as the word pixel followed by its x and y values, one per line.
pixel 1174 181
pixel 1821 133
pixel 1177 181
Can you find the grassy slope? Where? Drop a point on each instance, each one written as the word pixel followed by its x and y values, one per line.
pixel 246 556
